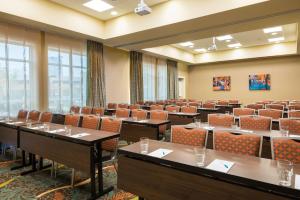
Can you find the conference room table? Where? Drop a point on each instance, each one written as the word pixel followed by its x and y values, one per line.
pixel 132 130
pixel 175 175
pixel 181 118
pixel 225 108
pixel 81 150
pixel 204 112
pixel 275 123
pixel 236 105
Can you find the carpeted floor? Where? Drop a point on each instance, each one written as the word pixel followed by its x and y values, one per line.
pixel 40 184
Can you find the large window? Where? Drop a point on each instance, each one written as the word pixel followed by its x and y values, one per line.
pixel 16 69
pixel 67 72
pixel 154 78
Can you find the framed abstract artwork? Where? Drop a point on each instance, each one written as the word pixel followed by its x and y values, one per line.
pixel 260 82
pixel 221 83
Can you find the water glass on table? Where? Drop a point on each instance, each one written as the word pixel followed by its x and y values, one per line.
pixel 46 127
pixel 199 153
pixel 68 130
pixel 285 172
pixel 144 144
pixel 198 122
pixel 28 123
pixel 284 130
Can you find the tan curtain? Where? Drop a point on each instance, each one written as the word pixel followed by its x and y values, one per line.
pixel 96 80
pixel 172 79
pixel 136 77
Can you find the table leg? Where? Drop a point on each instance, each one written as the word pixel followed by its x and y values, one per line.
pixel 24 164
pixel 33 165
pixel 92 174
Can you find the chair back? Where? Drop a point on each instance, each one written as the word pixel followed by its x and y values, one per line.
pixel 292 125
pixel 112 106
pixel 90 121
pixel 46 117
pixel 134 107
pixel 159 115
pixel 294 114
pixel 72 120
pixel 22 114
pixel 123 105
pixel 275 106
pixel 172 108
pixel 220 120
pixel 294 107
pixel 256 123
pixel 156 107
pixel 245 144
pixel 86 110
pixel 243 111
pixel 122 113
pixel 98 111
pixel 233 101
pixel 110 125
pixel 75 109
pixel 193 137
pixel 34 115
pixel 180 103
pixel 273 113
pixel 189 109
pixel 140 114
pixel 196 104
pixel 223 103
pixel 209 105
pixel 286 149
pixel 255 106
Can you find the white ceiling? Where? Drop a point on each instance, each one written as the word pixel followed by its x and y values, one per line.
pixel 247 39
pixel 121 6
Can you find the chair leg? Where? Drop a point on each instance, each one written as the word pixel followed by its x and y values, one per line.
pixel 73 178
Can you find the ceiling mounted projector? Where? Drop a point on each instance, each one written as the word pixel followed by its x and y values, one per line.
pixel 142 9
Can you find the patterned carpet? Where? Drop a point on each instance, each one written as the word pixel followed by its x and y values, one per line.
pixel 40 185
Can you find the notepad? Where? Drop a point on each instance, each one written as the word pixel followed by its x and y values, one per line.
pixel 57 131
pixel 159 153
pixel 208 128
pixel 245 131
pixel 13 123
pixel 220 165
pixel 79 135
pixel 297 181
pixel 37 127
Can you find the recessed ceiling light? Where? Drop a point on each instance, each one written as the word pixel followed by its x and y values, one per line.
pixel 228 40
pixel 224 37
pixel 272 29
pixel 186 44
pixel 201 50
pixel 114 13
pixel 234 45
pixel 278 39
pixel 274 33
pixel 98 5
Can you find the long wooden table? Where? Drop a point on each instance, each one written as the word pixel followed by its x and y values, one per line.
pixel 180 118
pixel 83 153
pixel 204 112
pixel 176 177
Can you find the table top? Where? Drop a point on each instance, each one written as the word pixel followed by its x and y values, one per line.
pixel 208 109
pixel 57 131
pixel 250 171
pixel 151 122
pixel 184 114
pixel 226 106
pixel 15 122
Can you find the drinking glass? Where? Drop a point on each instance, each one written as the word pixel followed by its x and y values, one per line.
pixel 285 172
pixel 284 130
pixel 135 118
pixel 198 122
pixel 28 123
pixel 114 116
pixel 227 113
pixel 234 126
pixel 46 127
pixel 144 144
pixel 68 130
pixel 199 153
pixel 7 119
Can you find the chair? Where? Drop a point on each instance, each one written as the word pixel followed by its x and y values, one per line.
pixel 74 109
pixel 292 125
pixel 180 103
pixel 22 114
pixel 294 107
pixel 256 123
pixel 275 106
pixel 90 121
pixel 112 106
pixel 233 101
pixel 123 105
pixel 286 149
pixel 134 107
pixel 273 113
pixel 196 104
pixel 72 120
pixel 122 113
pixel 160 115
pixel 173 108
pixel 244 144
pixel 140 102
pixel 223 103
pixel 294 114
pixel 255 106
pixel 161 102
pixel 34 115
pixel 243 111
pixel 209 105
pixel 156 107
pixel 189 109
pixel 98 111
pixel 86 110
pixel 46 117
pixel 220 120
pixel 193 137
pixel 140 114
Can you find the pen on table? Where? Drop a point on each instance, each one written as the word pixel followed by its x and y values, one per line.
pixel 225 166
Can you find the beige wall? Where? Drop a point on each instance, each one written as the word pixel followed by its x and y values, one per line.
pixel 284 72
pixel 183 71
pixel 117 75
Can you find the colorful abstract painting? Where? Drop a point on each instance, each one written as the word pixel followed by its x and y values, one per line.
pixel 260 82
pixel 221 83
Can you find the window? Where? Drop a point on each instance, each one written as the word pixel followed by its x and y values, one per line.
pixel 67 72
pixel 154 78
pixel 16 77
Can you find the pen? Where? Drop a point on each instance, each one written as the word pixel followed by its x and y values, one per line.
pixel 225 166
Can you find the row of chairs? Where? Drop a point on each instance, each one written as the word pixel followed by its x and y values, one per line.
pixel 258 106
pixel 245 144
pixel 273 113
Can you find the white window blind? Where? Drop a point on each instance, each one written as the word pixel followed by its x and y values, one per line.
pixel 154 78
pixel 19 48
pixel 67 72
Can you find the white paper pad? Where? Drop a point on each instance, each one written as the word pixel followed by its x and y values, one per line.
pixel 12 123
pixel 57 131
pixel 37 127
pixel 79 135
pixel 297 181
pixel 208 128
pixel 220 165
pixel 159 153
pixel 291 135
pixel 245 131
